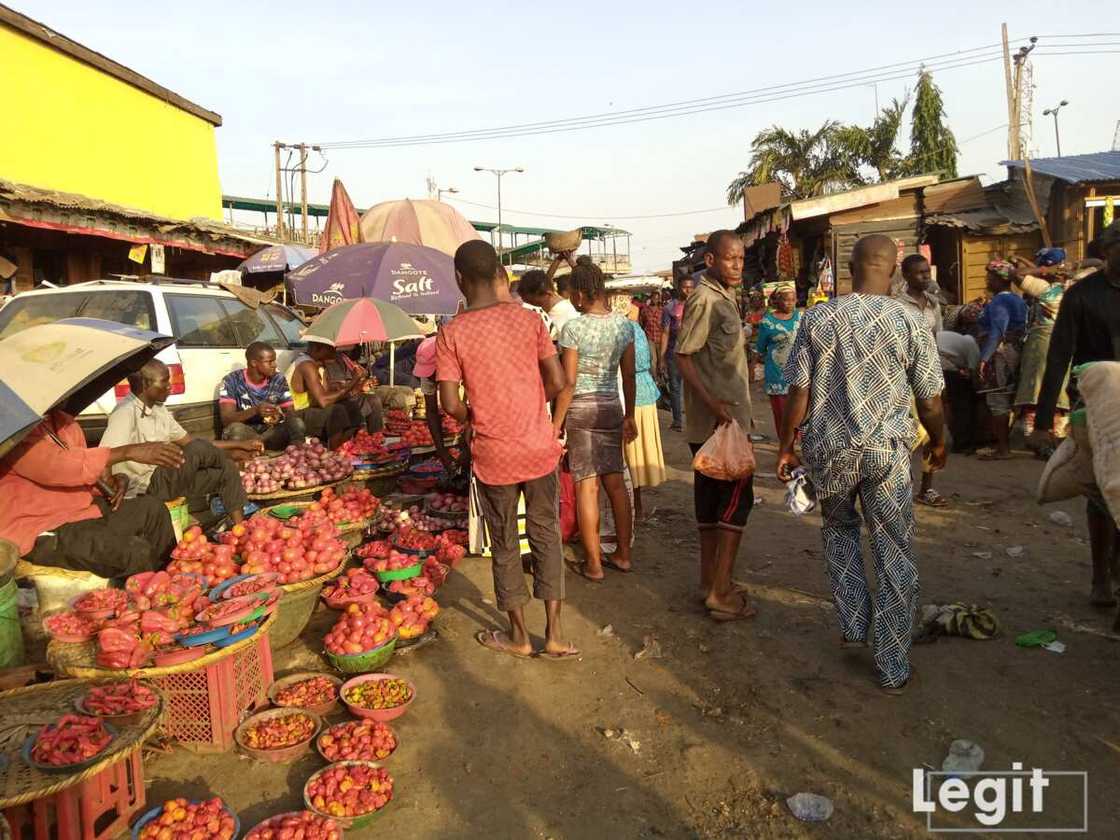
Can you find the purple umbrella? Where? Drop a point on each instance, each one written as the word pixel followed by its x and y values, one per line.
pixel 419 280
pixel 277 258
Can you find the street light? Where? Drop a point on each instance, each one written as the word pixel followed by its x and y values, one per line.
pixel 1054 111
pixel 499 173
pixel 441 190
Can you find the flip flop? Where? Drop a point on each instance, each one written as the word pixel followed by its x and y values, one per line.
pixel 746 612
pixel 571 653
pixel 608 561
pixel 581 570
pixel 932 498
pixel 492 635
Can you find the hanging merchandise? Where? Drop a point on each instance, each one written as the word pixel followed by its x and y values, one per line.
pixel 1108 211
pixel 786 268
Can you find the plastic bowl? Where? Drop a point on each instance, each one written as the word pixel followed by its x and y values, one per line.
pixel 274 821
pixel 97 615
pixel 138 826
pixel 122 720
pixel 339 726
pixel 406 573
pixel 241 610
pixel 322 709
pixel 234 638
pixel 284 754
pixel 383 715
pixel 68 638
pixel 222 590
pixel 363 663
pixel 209 637
pixel 67 768
pixel 181 656
pixel 347 823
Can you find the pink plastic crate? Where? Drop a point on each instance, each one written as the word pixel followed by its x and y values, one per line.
pixel 97 809
pixel 204 707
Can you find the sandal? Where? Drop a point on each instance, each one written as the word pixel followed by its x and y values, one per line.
pixel 932 498
pixel 571 652
pixel 491 640
pixel 609 562
pixel 745 613
pixel 989 454
pixel 580 568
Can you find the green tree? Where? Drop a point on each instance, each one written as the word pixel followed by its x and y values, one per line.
pixel 805 163
pixel 933 148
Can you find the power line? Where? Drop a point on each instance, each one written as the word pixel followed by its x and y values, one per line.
pixel 823 84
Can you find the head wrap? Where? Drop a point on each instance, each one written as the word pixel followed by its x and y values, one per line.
pixel 1050 256
pixel 1001 268
pixel 785 286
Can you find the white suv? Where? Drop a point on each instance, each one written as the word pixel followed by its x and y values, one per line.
pixel 211 327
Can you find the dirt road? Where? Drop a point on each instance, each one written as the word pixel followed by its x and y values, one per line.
pixel 733 718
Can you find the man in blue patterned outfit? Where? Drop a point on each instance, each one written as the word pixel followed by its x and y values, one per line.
pixel 857 365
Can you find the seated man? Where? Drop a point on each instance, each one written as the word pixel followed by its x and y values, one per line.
pixel 256 404
pixel 51 512
pixel 322 409
pixel 142 417
pixel 365 409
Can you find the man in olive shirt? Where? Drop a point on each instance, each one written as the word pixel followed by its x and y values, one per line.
pixel 712 357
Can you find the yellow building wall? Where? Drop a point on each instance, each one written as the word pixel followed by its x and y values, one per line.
pixel 73 128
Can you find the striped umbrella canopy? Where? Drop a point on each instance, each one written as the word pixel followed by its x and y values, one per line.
pixel 67 364
pixel 424 222
pixel 360 321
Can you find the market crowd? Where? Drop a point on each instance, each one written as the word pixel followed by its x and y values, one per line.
pixel 558 382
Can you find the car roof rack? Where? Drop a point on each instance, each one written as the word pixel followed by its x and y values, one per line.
pixel 156 280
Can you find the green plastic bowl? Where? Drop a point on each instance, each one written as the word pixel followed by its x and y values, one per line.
pixel 407 573
pixel 363 663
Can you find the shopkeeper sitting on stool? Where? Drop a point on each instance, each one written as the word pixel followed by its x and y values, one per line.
pixel 256 403
pixel 50 511
pixel 207 470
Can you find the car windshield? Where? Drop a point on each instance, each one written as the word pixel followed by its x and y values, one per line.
pixel 122 306
pixel 289 324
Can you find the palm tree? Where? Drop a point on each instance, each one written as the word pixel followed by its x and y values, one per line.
pixel 805 163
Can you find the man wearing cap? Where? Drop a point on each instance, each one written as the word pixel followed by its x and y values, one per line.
pixel 1087 329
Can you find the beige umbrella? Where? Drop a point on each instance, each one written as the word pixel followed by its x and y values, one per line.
pixel 421 222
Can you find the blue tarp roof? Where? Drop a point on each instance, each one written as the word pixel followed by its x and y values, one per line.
pixel 1076 169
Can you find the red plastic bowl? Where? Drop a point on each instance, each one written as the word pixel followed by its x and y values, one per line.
pixel 284 754
pixel 383 715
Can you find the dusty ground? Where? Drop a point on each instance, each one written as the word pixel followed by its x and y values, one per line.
pixel 733 718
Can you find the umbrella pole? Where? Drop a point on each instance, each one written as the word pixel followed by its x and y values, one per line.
pixel 392 363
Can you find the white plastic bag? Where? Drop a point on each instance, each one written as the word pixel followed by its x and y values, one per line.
pixel 727 455
pixel 800 496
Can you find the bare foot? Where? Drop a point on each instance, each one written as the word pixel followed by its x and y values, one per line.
pixel 1102 596
pixel 500 642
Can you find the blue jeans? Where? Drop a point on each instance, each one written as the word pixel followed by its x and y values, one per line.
pixel 675 386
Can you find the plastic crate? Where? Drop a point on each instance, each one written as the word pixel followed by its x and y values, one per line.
pixel 97 809
pixel 204 707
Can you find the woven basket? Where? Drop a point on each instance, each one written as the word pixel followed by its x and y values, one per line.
pixel 296 605
pixel 294 494
pixel 21 783
pixel 566 241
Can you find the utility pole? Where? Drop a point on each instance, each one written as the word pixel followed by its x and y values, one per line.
pixel 1012 143
pixel 499 173
pixel 303 186
pixel 1018 152
pixel 1054 113
pixel 279 193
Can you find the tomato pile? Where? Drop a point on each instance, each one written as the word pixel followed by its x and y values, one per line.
pixel 183 820
pixel 70 625
pixel 122 698
pixel 196 555
pixel 301 466
pixel 357 740
pixel 380 694
pixel 276 733
pixel 72 740
pixel 350 790
pixel 415 539
pixel 412 616
pixel 106 601
pixel 301 825
pixel 360 628
pixel 304 547
pixel 393 562
pixel 397 421
pixel 253 585
pixel 314 691
pixel 419 585
pixel 352 506
pixel 355 586
pixel 366 447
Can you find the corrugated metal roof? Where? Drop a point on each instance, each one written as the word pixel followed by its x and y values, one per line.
pixel 1075 169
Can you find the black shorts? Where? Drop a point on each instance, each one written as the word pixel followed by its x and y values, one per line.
pixel 721 504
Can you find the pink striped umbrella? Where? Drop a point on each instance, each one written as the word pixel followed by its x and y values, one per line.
pixel 360 321
pixel 429 223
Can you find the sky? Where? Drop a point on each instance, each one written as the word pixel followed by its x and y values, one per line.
pixel 339 71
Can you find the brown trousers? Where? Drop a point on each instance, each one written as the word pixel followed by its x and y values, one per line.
pixel 542 528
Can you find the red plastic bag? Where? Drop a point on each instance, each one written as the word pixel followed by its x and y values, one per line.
pixel 727 455
pixel 569 524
